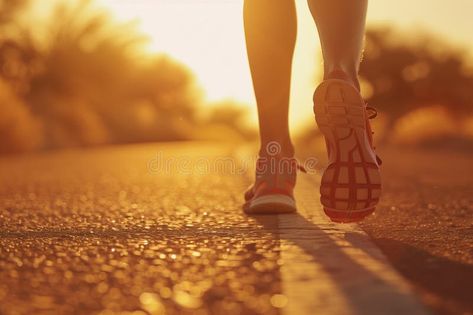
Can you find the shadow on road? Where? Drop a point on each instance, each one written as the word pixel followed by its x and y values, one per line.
pixel 366 290
pixel 451 281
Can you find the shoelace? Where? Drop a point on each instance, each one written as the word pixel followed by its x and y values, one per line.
pixel 372 114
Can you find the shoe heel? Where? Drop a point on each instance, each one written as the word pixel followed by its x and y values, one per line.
pixel 351 184
pixel 271 204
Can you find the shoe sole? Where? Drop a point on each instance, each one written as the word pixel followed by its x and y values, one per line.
pixel 351 184
pixel 270 204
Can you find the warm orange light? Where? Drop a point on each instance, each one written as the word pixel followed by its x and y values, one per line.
pixel 208 37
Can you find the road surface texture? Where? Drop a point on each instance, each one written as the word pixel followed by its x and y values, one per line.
pixel 158 229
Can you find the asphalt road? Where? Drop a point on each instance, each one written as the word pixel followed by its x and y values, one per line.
pixel 158 229
pixel 424 224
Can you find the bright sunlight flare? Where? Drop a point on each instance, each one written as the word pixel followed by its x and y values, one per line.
pixel 208 37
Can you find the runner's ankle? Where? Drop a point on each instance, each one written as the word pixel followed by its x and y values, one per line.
pixel 340 74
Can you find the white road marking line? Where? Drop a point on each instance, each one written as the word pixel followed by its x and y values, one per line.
pixel 335 269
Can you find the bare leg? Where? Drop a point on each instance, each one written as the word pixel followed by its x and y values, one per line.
pixel 351 184
pixel 270 28
pixel 341 27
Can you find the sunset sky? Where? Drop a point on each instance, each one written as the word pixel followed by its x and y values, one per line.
pixel 207 36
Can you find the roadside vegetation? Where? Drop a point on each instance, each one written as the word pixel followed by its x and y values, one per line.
pixel 82 79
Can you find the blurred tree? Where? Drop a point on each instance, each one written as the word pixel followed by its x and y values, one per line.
pixel 231 119
pixel 19 129
pixel 407 72
pixel 87 82
pixel 9 9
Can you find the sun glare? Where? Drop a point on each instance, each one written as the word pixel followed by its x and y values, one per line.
pixel 208 37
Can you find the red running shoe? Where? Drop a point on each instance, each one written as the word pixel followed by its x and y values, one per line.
pixel 273 190
pixel 351 184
